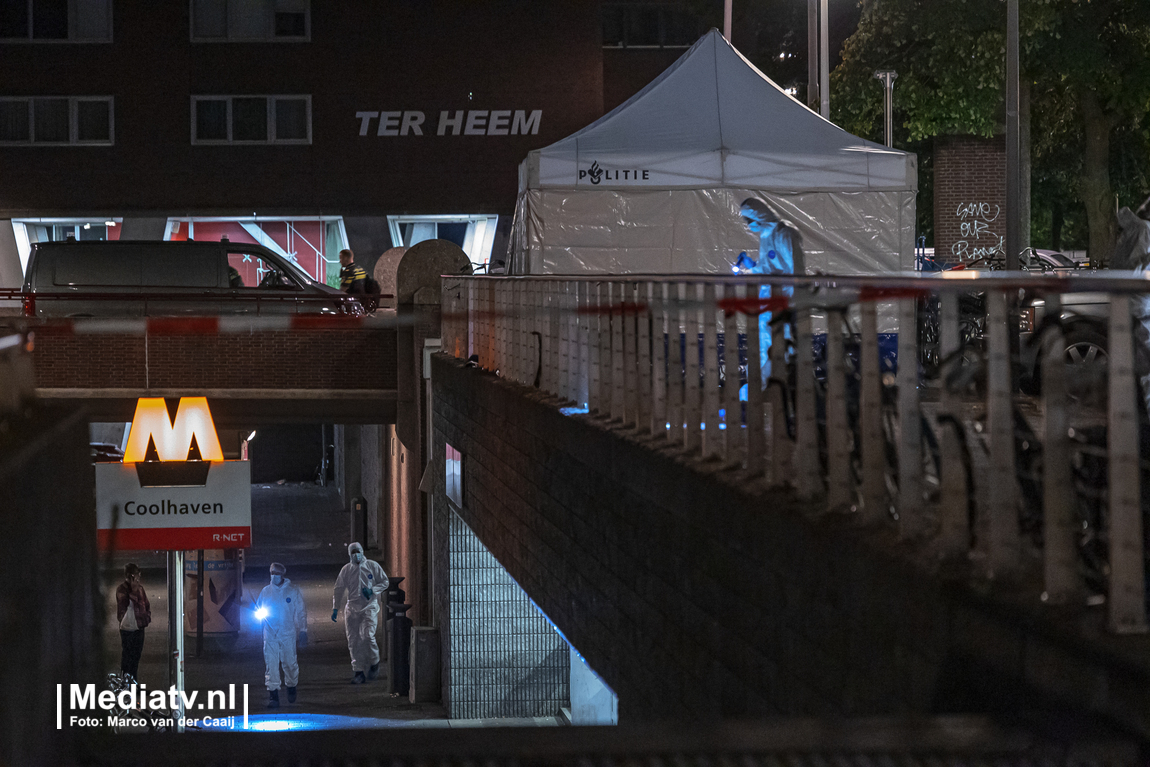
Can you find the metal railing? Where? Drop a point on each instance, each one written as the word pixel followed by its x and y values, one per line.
pixel 976 450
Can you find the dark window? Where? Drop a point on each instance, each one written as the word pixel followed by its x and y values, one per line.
pixel 649 25
pixel 292 24
pixel 249 19
pixel 93 121
pixel 50 19
pixel 211 120
pixel 14 121
pixel 456 233
pixel 249 119
pixel 209 18
pixel 105 266
pixel 93 231
pixel 643 26
pixel 50 119
pixel 291 119
pixel 93 20
pixel 191 270
pixel 13 18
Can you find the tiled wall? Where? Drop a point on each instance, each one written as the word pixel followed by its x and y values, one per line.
pixel 505 658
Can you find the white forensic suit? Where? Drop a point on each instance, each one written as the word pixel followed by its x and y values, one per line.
pixel 286 618
pixel 361 618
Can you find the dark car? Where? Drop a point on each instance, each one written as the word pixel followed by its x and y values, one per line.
pixel 151 278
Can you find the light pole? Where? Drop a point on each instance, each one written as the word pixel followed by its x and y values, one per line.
pixel 1013 176
pixel 887 76
pixel 818 58
pixel 727 20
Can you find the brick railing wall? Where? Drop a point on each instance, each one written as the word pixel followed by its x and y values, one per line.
pixel 695 592
pixel 346 359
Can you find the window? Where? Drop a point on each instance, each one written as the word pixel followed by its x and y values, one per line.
pixel 251 20
pixel 649 25
pixel 250 119
pixel 248 270
pixel 77 21
pixel 454 477
pixel 59 120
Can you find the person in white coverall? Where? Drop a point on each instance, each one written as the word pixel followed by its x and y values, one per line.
pixel 284 616
pixel 363 580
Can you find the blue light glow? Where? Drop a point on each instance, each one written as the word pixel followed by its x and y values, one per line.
pixel 574 410
pixel 722 412
pixel 261 613
pixel 722 427
pixel 275 725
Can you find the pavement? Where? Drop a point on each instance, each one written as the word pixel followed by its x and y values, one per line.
pixel 304 527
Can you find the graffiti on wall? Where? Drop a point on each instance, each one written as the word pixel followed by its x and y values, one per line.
pixel 978 226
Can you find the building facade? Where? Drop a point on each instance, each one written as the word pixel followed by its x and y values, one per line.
pixel 324 124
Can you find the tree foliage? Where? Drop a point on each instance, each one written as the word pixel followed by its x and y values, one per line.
pixel 1087 63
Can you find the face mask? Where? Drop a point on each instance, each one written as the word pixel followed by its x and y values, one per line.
pixel 277 580
pixel 357 557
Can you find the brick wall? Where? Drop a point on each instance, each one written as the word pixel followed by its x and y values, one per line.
pixel 695 594
pixel 308 359
pixel 505 659
pixel 969 197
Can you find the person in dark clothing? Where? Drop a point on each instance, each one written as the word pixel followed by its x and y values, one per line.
pixel 134 614
pixel 352 277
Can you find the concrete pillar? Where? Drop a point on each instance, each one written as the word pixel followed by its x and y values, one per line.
pixel 348 468
pixel 373 471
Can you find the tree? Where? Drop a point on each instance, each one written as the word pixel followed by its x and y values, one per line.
pixel 1087 60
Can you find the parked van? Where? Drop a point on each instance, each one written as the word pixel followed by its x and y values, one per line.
pixel 150 278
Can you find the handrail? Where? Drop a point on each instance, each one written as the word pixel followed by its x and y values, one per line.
pixel 959 280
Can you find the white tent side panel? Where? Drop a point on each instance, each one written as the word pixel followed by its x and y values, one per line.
pixel 699 231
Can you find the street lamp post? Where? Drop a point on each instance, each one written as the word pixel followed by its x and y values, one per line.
pixel 1013 176
pixel 887 76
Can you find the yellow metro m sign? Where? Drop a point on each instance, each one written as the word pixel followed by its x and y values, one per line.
pixel 173 440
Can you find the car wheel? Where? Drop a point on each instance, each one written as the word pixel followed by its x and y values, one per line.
pixel 1087 361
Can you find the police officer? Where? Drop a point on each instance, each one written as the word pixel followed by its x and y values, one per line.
pixel 352 277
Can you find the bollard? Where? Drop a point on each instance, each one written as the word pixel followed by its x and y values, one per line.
pixel 400 650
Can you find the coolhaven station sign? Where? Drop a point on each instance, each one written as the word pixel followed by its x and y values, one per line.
pixel 170 502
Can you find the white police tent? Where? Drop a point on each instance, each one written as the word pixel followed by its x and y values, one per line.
pixel 654 186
